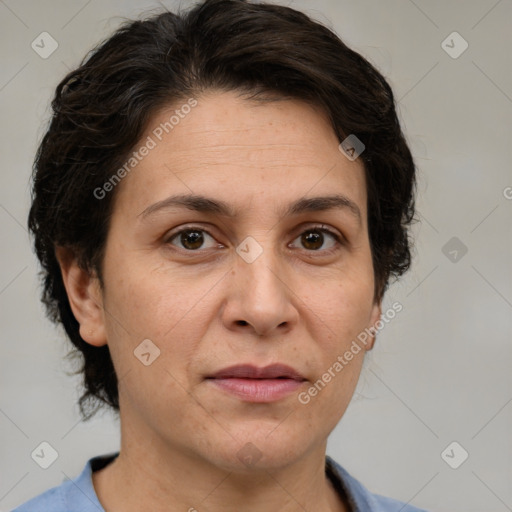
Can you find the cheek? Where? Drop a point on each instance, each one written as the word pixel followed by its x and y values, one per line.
pixel 325 401
pixel 343 305
pixel 145 302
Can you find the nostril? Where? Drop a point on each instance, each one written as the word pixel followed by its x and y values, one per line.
pixel 241 322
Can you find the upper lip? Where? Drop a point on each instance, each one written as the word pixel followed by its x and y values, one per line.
pixel 249 371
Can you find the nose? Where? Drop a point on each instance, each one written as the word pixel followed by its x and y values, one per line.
pixel 260 298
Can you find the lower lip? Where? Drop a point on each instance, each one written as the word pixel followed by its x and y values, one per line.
pixel 258 390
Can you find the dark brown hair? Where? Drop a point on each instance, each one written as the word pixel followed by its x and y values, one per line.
pixel 101 109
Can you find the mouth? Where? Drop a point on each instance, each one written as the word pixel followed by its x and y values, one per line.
pixel 252 384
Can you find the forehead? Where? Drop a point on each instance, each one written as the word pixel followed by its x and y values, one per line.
pixel 237 150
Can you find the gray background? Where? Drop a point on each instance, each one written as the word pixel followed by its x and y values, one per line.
pixel 441 370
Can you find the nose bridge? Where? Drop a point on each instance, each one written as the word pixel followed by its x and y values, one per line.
pixel 258 267
pixel 262 298
pixel 261 274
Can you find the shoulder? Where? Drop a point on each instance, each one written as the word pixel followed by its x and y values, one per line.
pixel 51 500
pixel 390 505
pixel 361 498
pixel 72 495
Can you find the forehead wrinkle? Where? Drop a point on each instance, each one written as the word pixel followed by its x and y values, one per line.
pixel 228 155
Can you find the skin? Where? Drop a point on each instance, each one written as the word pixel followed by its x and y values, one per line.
pixel 209 309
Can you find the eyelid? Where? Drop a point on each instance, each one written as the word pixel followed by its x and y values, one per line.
pixel 323 228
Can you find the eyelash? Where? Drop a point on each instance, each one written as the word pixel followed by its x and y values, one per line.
pixel 339 239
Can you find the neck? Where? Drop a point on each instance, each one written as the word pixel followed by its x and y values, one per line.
pixel 145 477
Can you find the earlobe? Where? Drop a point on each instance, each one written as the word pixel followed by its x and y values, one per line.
pixel 375 317
pixel 85 298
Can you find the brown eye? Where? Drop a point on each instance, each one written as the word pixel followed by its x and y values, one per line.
pixel 318 239
pixel 312 240
pixel 191 239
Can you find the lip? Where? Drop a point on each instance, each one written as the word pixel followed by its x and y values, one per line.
pixel 253 384
pixel 249 371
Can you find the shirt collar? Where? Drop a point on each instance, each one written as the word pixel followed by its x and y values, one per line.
pixel 81 489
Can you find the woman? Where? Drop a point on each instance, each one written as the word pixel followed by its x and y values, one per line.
pixel 219 204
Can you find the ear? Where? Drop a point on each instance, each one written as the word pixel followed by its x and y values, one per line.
pixel 374 318
pixel 85 297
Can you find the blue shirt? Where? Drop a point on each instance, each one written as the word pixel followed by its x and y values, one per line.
pixel 78 495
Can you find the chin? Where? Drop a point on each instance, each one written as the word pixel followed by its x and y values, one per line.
pixel 259 451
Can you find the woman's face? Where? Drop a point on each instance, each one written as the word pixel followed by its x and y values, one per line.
pixel 258 280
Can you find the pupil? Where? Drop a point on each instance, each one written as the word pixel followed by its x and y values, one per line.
pixel 192 239
pixel 313 240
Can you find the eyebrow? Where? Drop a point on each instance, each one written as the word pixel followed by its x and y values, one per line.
pixel 205 204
